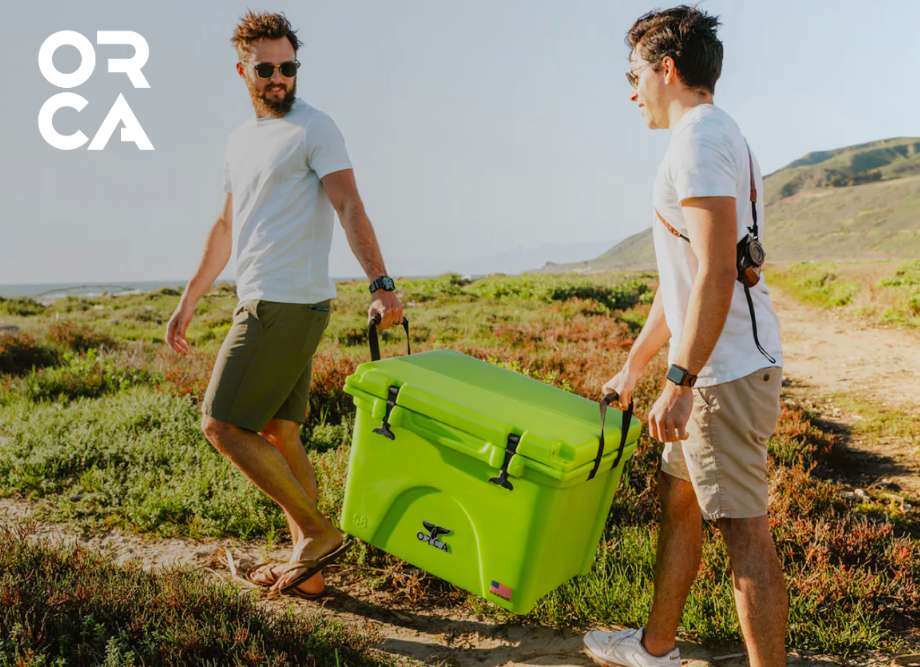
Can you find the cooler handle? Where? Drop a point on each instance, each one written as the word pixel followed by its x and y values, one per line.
pixel 624 432
pixel 373 341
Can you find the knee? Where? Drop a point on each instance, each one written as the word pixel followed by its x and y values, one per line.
pixel 747 539
pixel 280 431
pixel 678 499
pixel 217 432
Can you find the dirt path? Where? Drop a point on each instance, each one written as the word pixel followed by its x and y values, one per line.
pixel 410 636
pixel 833 354
pixel 826 355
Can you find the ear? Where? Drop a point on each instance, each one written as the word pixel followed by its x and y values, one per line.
pixel 240 69
pixel 670 70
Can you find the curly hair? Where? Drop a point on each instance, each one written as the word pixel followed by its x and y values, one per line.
pixel 687 35
pixel 254 26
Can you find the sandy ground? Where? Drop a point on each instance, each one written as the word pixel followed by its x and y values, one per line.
pixel 832 354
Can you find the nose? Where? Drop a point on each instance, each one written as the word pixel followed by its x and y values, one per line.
pixel 276 76
pixel 633 95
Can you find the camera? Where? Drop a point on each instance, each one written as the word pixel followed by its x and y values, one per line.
pixel 750 260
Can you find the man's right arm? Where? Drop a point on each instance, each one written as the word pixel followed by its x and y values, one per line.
pixel 216 254
pixel 653 337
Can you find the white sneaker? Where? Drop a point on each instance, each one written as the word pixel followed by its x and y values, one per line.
pixel 625 648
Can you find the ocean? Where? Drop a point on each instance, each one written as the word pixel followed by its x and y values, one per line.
pixel 50 291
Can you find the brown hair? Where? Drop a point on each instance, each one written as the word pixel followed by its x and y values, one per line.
pixel 687 35
pixel 254 26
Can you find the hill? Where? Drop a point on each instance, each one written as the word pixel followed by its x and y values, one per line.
pixel 857 202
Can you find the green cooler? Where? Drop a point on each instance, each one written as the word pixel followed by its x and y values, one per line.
pixel 495 482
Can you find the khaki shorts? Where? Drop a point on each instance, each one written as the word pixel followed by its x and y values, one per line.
pixel 263 368
pixel 725 457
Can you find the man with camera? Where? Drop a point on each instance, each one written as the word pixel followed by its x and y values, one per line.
pixel 720 401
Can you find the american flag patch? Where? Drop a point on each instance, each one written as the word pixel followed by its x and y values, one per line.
pixel 500 590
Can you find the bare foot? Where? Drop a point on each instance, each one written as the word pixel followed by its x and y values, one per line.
pixel 317 546
pixel 305 552
pixel 314 585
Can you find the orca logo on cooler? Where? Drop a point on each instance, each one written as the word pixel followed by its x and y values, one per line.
pixel 119 114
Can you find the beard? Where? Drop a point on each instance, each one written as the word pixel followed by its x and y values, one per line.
pixel 272 106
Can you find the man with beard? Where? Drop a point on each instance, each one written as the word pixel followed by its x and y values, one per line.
pixel 286 170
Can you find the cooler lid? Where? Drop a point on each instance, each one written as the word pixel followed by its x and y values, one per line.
pixel 558 429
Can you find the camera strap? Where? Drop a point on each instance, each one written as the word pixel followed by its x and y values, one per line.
pixel 752 228
pixel 754 232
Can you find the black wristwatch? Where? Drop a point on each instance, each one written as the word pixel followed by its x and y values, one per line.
pixel 680 376
pixel 383 282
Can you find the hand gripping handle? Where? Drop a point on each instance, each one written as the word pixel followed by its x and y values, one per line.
pixel 374 342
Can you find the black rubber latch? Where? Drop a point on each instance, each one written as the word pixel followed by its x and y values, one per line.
pixel 384 428
pixel 510 449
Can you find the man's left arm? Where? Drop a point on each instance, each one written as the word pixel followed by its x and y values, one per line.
pixel 712 226
pixel 342 191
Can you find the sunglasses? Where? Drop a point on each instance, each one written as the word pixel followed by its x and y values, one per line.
pixel 267 70
pixel 632 76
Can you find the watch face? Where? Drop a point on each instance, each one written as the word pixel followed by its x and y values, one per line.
pixel 676 375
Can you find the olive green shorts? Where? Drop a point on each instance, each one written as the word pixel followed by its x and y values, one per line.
pixel 263 368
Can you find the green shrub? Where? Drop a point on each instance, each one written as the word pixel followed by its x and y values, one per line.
pixel 906 284
pixel 78 337
pixel 21 307
pixel 83 376
pixel 136 457
pixel 618 297
pixel 20 354
pixel 323 436
pixel 815 283
pixel 906 276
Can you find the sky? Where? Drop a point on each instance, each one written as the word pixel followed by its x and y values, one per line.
pixel 486 135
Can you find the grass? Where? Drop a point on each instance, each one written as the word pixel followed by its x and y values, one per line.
pixel 71 606
pixel 125 449
pixel 882 294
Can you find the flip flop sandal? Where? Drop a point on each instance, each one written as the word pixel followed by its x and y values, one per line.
pixel 311 566
pixel 264 583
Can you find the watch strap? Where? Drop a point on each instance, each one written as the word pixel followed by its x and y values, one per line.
pixel 382 282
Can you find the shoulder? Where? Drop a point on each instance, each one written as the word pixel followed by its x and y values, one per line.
pixel 712 126
pixel 708 136
pixel 311 118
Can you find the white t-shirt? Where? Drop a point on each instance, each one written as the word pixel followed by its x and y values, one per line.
pixel 708 157
pixel 282 219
